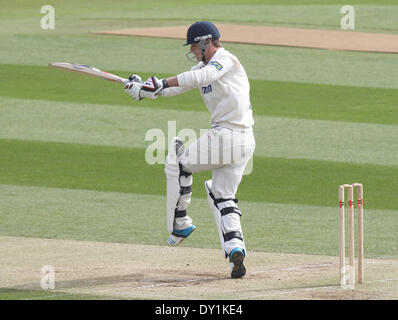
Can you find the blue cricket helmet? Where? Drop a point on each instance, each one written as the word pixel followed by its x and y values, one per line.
pixel 201 29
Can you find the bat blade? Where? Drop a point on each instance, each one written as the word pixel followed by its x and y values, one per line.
pixel 88 70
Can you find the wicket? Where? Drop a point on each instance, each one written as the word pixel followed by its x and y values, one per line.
pixel 343 267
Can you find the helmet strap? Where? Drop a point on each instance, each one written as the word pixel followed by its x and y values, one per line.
pixel 203 46
pixel 203 56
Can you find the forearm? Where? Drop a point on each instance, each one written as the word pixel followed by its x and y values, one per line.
pixel 172 81
pixel 173 87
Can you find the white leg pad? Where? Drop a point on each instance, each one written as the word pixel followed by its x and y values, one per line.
pixel 179 189
pixel 230 222
pixel 185 198
pixel 216 213
pixel 227 216
pixel 173 192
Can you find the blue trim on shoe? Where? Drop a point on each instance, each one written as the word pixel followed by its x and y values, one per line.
pixel 236 250
pixel 236 258
pixel 185 232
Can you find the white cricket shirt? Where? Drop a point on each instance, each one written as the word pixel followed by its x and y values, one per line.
pixel 224 87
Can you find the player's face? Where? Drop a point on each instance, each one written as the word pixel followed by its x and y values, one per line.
pixel 196 51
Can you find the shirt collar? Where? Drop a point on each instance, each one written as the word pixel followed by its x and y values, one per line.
pixel 219 51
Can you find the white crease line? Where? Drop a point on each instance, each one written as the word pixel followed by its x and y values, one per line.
pixel 305 267
pixel 388 257
pixel 382 280
pixel 382 262
pixel 314 266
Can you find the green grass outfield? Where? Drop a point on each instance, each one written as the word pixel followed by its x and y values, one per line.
pixel 16 294
pixel 72 148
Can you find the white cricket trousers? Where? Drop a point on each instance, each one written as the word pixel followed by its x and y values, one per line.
pixel 226 152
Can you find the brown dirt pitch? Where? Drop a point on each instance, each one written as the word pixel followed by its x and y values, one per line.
pixel 159 272
pixel 276 36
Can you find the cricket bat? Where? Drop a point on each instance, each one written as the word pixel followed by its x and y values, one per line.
pixel 84 69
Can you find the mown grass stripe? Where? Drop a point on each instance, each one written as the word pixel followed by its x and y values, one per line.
pixel 127 127
pixel 134 218
pixel 261 62
pixel 269 98
pixel 278 180
pixel 20 294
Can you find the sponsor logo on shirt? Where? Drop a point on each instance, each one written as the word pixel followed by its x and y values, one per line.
pixel 216 64
pixel 206 90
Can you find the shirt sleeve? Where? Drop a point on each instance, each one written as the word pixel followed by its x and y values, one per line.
pixel 208 74
pixel 173 91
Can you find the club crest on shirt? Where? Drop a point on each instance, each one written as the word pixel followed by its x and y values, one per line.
pixel 216 64
pixel 206 90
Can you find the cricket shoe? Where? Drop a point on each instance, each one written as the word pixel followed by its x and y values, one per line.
pixel 236 257
pixel 179 235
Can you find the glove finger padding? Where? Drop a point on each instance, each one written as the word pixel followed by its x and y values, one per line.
pixel 151 88
pixel 133 89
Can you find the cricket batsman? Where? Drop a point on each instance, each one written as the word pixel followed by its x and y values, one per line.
pixel 225 149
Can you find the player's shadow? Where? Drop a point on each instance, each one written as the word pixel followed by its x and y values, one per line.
pixel 134 280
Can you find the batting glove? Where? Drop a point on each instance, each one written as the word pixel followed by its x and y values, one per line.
pixel 133 88
pixel 153 87
pixel 135 78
